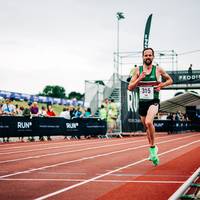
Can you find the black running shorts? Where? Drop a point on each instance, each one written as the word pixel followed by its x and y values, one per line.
pixel 144 106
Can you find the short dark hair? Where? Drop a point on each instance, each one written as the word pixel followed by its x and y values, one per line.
pixel 148 48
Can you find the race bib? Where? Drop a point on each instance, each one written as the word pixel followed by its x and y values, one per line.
pixel 146 92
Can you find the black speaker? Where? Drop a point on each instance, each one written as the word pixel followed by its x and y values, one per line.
pixel 191 112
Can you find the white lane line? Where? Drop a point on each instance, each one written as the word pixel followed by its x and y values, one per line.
pixel 54 147
pixel 108 173
pixel 66 152
pixel 83 142
pixel 147 175
pixel 74 151
pixel 63 173
pixel 86 158
pixel 101 181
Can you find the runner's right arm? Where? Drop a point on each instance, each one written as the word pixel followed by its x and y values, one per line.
pixel 136 79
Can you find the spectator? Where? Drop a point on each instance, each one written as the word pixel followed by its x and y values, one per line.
pixel 72 111
pixel 103 113
pixel 50 112
pixel 43 112
pixel 8 108
pixel 21 109
pixel 17 110
pixel 106 103
pixel 27 113
pixel 35 109
pixel 170 123
pixel 190 73
pixel 27 110
pixel 65 113
pixel 190 70
pixel 1 112
pixel 78 113
pixel 88 113
pixel 112 116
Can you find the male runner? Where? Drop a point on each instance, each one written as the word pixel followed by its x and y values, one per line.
pixel 147 77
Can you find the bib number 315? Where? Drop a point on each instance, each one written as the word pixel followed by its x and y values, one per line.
pixel 146 92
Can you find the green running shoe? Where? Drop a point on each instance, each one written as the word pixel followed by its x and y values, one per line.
pixel 153 155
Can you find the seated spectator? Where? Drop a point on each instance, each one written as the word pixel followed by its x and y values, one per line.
pixel 50 111
pixel 35 109
pixel 43 112
pixel 72 111
pixel 65 113
pixel 88 113
pixel 1 112
pixel 8 108
pixel 27 113
pixel 27 110
pixel 78 113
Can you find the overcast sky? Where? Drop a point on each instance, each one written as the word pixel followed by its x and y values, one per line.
pixel 65 42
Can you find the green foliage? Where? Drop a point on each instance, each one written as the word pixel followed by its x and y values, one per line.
pixel 76 95
pixel 54 91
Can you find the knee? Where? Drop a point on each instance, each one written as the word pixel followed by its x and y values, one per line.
pixel 148 123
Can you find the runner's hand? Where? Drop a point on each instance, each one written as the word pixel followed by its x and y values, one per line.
pixel 142 75
pixel 159 87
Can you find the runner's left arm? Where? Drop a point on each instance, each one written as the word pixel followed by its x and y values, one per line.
pixel 167 77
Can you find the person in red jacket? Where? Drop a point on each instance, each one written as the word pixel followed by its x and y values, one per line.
pixel 50 111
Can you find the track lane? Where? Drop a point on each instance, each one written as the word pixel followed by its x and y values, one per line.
pixel 88 167
pixel 55 161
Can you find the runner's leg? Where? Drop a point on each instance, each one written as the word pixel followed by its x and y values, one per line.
pixel 152 111
pixel 143 122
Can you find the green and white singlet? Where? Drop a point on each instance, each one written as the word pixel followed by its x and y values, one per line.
pixel 146 86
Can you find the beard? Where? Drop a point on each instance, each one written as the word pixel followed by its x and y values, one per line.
pixel 148 62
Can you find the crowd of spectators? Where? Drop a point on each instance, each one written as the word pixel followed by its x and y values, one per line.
pixel 32 109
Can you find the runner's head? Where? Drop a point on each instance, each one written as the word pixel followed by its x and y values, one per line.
pixel 148 56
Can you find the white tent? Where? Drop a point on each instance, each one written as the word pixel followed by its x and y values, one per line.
pixel 180 102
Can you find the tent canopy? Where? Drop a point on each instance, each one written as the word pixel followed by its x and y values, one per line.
pixel 180 102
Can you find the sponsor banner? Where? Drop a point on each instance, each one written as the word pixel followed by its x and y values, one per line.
pixel 129 109
pixel 11 126
pixel 185 77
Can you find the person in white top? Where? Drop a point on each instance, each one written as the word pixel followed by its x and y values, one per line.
pixel 65 113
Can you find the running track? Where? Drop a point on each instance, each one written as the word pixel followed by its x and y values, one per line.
pixel 102 169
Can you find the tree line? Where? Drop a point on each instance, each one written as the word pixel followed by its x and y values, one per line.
pixel 59 92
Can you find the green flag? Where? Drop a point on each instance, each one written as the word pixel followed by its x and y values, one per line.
pixel 147 31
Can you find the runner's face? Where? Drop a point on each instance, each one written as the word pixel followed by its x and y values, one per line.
pixel 148 57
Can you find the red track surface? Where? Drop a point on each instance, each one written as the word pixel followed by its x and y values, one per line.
pixel 97 169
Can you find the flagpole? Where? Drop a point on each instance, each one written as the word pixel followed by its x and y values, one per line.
pixel 120 16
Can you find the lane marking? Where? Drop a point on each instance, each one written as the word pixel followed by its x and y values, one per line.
pixel 147 175
pixel 87 158
pixel 101 181
pixel 108 173
pixel 68 151
pixel 73 151
pixel 81 142
pixel 63 173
